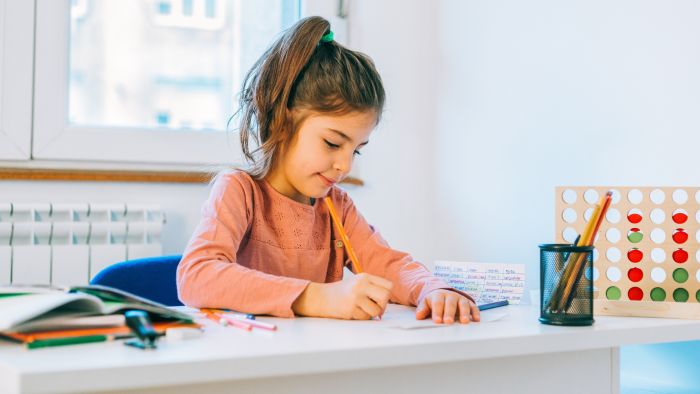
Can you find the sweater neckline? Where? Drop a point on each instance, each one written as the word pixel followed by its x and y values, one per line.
pixel 288 200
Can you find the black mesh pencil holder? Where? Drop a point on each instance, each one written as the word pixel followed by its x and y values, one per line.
pixel 566 285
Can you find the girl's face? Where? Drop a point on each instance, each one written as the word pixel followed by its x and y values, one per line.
pixel 321 154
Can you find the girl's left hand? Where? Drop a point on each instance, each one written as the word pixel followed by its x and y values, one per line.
pixel 447 307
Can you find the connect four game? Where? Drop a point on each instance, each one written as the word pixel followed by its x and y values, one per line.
pixel 647 256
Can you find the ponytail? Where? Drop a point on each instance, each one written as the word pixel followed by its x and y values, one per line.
pixel 301 71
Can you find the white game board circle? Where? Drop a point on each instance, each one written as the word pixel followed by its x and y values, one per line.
pixel 569 234
pixel 658 275
pixel 613 235
pixel 591 196
pixel 595 255
pixel 613 254
pixel 697 196
pixel 587 214
pixel 613 274
pixel 596 273
pixel 697 275
pixel 658 236
pixel 635 196
pixel 657 216
pixel 569 196
pixel 657 196
pixel 613 216
pixel 697 216
pixel 697 256
pixel 680 196
pixel 697 236
pixel 658 255
pixel 569 215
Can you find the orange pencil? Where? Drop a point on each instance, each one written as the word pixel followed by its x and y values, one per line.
pixel 224 321
pixel 343 235
pixel 587 240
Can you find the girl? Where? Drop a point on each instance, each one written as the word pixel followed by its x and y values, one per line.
pixel 266 243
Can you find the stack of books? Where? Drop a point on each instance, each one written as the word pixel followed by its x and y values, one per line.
pixel 40 316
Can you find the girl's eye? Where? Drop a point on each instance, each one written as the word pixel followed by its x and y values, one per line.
pixel 331 145
pixel 335 146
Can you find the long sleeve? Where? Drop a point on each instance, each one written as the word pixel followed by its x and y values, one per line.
pixel 209 274
pixel 412 281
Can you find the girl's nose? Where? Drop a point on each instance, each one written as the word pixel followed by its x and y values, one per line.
pixel 343 164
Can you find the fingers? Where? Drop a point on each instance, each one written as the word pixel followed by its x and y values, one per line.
pixel 380 295
pixel 464 310
pixel 437 303
pixel 379 281
pixel 370 307
pixel 423 310
pixel 468 311
pixel 359 314
pixel 448 307
pixel 448 315
pixel 476 314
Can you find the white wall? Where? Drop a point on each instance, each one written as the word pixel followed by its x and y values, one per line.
pixel 397 165
pixel 542 93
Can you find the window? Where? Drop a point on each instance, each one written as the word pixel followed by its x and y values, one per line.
pixel 166 64
pixel 149 81
pixel 16 38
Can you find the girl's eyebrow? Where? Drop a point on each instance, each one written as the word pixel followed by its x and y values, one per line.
pixel 345 136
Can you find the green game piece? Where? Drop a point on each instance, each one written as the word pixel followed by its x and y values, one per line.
pixel 635 237
pixel 613 293
pixel 680 295
pixel 658 294
pixel 680 275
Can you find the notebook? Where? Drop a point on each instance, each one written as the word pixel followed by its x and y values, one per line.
pixel 33 308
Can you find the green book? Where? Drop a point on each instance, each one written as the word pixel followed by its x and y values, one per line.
pixel 26 309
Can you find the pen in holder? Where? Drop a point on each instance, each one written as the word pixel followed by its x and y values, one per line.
pixel 566 284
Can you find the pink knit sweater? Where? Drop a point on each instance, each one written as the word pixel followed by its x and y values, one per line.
pixel 255 250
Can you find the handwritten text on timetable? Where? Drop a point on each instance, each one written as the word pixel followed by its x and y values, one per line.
pixel 486 282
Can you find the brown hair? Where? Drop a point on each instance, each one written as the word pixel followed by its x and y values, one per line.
pixel 299 71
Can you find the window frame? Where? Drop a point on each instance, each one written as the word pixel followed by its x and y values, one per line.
pixel 16 65
pixel 56 141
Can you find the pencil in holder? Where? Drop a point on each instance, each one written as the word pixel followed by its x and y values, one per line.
pixel 566 285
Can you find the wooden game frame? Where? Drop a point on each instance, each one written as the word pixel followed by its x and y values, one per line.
pixel 646 307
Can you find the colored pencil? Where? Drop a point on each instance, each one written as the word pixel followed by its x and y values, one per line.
pixel 254 323
pixel 346 241
pixel 580 262
pixel 225 321
pixel 574 269
pixel 248 316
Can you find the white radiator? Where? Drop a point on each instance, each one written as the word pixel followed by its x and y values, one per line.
pixel 68 244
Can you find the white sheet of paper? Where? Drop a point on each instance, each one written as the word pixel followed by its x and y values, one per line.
pixel 486 282
pixel 486 317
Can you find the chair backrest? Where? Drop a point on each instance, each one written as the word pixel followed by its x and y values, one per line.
pixel 152 278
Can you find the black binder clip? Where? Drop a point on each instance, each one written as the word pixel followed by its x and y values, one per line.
pixel 140 324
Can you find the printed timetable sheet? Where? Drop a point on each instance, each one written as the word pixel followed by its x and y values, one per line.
pixel 486 282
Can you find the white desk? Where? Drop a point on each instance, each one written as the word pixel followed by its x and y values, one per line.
pixel 513 354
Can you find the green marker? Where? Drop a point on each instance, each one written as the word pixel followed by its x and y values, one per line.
pixel 39 343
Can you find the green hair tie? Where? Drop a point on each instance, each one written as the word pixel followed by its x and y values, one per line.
pixel 328 37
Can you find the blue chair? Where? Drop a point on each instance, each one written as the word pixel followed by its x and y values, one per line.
pixel 152 278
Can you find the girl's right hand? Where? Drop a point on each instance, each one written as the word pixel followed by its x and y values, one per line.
pixel 361 297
